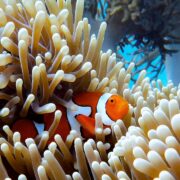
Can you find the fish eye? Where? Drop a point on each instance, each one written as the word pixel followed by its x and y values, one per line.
pixel 112 100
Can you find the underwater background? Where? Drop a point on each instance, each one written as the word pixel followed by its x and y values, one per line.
pixel 139 28
pixel 84 91
pixel 127 53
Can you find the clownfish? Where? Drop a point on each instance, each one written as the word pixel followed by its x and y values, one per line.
pixel 82 119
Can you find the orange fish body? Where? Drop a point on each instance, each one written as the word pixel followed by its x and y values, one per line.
pixel 111 107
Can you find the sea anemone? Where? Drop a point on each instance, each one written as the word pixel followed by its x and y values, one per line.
pixel 47 54
pixel 42 49
pixel 152 150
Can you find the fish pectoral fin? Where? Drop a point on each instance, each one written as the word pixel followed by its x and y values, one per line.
pixel 87 123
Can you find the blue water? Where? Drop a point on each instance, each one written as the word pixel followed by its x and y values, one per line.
pixel 127 54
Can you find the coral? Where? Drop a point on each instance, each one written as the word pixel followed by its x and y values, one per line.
pixel 130 9
pixel 46 50
pixel 154 22
pixel 150 26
